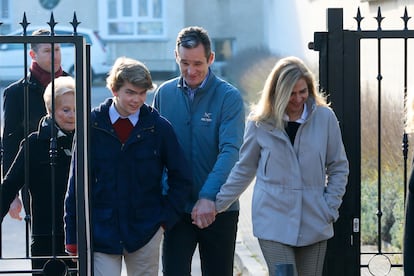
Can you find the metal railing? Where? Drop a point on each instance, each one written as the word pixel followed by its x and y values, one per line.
pixel 83 87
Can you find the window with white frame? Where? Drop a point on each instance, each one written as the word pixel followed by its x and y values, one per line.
pixel 129 19
pixel 5 28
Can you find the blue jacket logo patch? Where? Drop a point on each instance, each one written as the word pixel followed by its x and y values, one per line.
pixel 206 117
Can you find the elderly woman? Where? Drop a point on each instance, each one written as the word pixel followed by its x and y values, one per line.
pixel 47 172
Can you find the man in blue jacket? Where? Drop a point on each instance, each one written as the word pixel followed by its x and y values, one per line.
pixel 207 114
pixel 132 145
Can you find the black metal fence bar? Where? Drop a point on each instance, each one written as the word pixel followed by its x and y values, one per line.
pixel 340 76
pixel 380 35
pixel 83 78
pixel 388 34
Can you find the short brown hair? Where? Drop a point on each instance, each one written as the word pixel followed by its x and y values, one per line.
pixel 191 37
pixel 128 70
pixel 39 32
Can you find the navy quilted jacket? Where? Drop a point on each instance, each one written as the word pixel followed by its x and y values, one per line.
pixel 128 204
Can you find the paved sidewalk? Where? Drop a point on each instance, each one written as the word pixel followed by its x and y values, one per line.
pixel 248 258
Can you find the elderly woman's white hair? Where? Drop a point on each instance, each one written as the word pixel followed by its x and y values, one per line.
pixel 63 85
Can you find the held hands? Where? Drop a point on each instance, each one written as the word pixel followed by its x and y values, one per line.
pixel 15 208
pixel 204 213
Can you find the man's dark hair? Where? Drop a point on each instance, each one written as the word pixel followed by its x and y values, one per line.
pixel 39 32
pixel 191 37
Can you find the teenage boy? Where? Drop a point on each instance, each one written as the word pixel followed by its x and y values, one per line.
pixel 131 147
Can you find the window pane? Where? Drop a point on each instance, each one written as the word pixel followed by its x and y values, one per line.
pixel 4 9
pixel 157 8
pixel 150 28
pixel 112 9
pixel 223 49
pixel 126 8
pixel 4 17
pixel 143 8
pixel 121 28
pixel 134 18
pixel 5 29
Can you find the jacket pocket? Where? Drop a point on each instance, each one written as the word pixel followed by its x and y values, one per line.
pixel 148 167
pixel 265 162
pixel 326 210
pixel 104 225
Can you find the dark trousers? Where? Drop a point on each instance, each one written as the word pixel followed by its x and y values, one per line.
pixel 216 245
pixel 42 246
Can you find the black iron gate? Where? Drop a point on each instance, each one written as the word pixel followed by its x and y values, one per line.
pixel 353 251
pixel 83 80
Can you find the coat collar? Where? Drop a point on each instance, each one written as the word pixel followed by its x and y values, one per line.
pixel 205 85
pixel 45 129
pixel 310 106
pixel 100 115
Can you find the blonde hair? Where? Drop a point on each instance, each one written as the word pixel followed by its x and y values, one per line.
pixel 278 89
pixel 63 85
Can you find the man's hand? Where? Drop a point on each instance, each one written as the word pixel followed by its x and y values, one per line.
pixel 204 213
pixel 15 208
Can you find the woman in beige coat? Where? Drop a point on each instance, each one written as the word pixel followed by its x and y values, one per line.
pixel 293 146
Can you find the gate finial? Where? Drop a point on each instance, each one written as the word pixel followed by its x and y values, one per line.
pixel 24 24
pixel 75 23
pixel 52 23
pixel 358 18
pixel 379 18
pixel 405 18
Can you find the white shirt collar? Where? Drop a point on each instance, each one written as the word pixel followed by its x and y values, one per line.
pixel 302 118
pixel 114 115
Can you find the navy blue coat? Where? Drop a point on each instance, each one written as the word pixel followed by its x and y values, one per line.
pixel 128 203
pixel 40 180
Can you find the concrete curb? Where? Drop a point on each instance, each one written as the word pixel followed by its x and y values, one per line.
pixel 246 262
